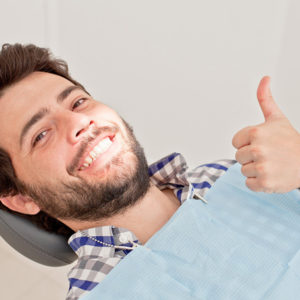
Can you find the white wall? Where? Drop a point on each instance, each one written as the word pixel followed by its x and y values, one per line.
pixel 183 73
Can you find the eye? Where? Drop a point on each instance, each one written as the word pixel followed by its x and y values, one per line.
pixel 79 102
pixel 39 137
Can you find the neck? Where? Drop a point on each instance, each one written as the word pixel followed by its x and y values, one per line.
pixel 144 219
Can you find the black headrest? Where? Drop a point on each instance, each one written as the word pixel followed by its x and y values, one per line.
pixel 46 248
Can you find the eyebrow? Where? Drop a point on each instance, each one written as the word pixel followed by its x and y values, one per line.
pixel 66 92
pixel 44 111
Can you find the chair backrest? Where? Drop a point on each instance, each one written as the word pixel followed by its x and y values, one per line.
pixel 37 244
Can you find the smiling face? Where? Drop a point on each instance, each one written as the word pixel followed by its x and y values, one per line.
pixel 74 156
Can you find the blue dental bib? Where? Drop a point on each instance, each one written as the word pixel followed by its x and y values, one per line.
pixel 241 245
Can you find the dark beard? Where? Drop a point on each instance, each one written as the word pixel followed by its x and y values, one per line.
pixel 87 201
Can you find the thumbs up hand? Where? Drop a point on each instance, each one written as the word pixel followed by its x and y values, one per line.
pixel 269 152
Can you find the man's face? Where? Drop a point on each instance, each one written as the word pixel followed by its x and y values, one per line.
pixel 75 156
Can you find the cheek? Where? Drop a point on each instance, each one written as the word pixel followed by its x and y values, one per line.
pixel 52 164
pixel 105 113
pixel 47 167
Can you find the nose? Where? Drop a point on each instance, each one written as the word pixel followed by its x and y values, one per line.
pixel 77 126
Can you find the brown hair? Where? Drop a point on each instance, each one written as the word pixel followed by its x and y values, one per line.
pixel 16 62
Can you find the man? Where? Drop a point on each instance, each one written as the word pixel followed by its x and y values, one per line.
pixel 64 156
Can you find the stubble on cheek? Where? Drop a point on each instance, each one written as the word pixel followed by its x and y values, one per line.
pixel 123 167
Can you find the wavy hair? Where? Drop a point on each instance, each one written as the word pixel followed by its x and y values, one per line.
pixel 16 62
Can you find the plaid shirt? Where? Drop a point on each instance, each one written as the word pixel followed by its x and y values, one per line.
pixel 96 260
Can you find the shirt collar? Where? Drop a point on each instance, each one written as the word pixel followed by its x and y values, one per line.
pixel 171 172
pixel 84 242
pixel 168 172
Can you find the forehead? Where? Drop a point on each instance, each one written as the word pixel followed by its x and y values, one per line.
pixel 21 100
pixel 37 84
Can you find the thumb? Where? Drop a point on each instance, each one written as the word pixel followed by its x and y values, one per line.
pixel 267 103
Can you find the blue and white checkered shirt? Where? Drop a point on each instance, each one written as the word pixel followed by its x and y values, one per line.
pixel 95 260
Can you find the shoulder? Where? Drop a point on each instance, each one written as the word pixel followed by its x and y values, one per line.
pixel 87 273
pixel 204 176
pixel 216 166
pixel 173 172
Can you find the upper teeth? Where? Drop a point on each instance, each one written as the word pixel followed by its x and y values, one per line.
pixel 101 147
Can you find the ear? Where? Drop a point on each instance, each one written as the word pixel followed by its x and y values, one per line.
pixel 21 204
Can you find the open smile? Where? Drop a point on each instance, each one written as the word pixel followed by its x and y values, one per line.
pixel 100 152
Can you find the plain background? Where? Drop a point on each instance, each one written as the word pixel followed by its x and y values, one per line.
pixel 183 73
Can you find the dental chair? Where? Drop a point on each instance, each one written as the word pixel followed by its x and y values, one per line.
pixel 46 248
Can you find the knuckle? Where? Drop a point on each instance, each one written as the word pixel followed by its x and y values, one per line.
pixel 237 155
pixel 235 141
pixel 254 133
pixel 251 186
pixel 248 184
pixel 244 170
pixel 261 169
pixel 239 136
pixel 256 152
pixel 265 184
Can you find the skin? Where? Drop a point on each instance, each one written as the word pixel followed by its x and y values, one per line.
pixel 269 152
pixel 59 137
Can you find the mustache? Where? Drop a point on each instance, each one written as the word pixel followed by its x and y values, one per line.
pixel 86 142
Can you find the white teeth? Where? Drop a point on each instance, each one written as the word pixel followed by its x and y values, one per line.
pixel 98 149
pixel 89 160
pixel 93 154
